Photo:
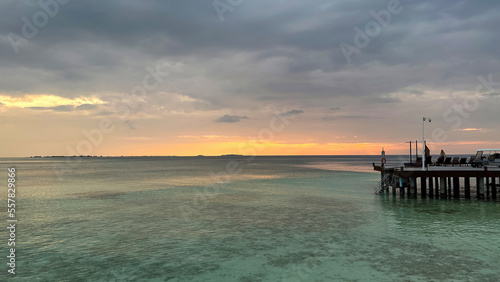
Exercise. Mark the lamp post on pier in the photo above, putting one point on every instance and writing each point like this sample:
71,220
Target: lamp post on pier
423,141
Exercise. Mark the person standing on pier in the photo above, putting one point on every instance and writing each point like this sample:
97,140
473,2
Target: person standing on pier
442,157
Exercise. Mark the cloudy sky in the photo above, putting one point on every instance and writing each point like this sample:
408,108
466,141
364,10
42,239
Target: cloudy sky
270,77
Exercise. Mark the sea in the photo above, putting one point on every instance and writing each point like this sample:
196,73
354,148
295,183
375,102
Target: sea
236,218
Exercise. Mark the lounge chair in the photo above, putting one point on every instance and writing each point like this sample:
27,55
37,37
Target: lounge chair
447,161
439,161
471,160
463,161
456,161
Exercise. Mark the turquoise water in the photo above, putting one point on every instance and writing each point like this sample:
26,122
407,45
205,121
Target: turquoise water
238,219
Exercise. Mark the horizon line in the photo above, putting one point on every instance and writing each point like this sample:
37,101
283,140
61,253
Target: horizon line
200,156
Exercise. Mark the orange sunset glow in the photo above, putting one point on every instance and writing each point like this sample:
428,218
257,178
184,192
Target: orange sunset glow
300,87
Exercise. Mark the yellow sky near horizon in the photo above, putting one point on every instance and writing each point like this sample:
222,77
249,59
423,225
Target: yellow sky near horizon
264,148
33,127
45,100
295,149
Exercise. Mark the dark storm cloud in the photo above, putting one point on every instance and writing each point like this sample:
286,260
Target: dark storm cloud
278,49
349,117
61,108
230,118
87,107
292,113
378,99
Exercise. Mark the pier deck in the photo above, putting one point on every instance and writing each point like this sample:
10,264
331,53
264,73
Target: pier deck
441,181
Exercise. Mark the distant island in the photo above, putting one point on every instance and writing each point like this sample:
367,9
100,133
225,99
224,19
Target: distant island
81,156
89,156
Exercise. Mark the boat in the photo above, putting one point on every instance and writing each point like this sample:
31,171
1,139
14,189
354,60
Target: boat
486,157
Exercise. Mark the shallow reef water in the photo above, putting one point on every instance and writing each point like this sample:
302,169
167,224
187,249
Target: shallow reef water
274,219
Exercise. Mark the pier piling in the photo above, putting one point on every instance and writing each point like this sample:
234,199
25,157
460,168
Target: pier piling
412,193
442,188
467,187
423,187
442,182
493,188
448,193
480,187
436,179
431,187
456,188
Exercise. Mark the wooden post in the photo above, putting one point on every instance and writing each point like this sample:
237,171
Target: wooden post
437,187
480,187
431,187
395,184
456,188
402,188
449,188
487,184
467,187
413,188
423,187
477,187
408,186
493,188
442,187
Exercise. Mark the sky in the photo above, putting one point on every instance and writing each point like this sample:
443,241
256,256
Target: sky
264,77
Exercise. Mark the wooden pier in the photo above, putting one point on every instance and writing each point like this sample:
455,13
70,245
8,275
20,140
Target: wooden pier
441,182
